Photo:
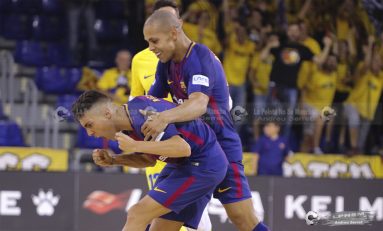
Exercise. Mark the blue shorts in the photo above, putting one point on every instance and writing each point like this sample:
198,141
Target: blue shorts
191,215
186,189
234,187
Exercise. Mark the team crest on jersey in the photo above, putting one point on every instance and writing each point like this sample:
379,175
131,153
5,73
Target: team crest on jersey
290,56
183,86
200,80
282,146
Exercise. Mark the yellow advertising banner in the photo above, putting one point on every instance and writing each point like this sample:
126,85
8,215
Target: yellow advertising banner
250,162
33,159
333,166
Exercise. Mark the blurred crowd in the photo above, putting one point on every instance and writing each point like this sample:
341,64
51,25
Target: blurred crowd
285,61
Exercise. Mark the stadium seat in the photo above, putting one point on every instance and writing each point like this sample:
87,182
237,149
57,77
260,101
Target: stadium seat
53,80
47,28
30,53
111,30
105,57
26,6
110,9
89,142
52,7
2,18
10,134
5,5
2,116
58,54
17,26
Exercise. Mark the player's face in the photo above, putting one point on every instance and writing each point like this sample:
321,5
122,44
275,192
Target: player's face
161,42
98,122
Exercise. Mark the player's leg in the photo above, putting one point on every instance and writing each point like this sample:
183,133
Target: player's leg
161,224
142,213
194,216
235,195
188,190
242,214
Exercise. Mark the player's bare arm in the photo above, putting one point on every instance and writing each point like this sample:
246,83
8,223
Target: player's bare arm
191,109
104,158
173,147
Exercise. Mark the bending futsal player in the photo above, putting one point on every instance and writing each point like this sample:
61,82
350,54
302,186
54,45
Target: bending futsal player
144,67
196,162
194,77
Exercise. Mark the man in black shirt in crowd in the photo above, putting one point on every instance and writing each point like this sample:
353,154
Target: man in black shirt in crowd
288,59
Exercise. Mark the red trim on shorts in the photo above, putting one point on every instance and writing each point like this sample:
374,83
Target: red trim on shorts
105,143
191,136
214,106
237,179
179,191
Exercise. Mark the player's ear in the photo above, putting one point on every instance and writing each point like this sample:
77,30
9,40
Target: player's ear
108,113
173,33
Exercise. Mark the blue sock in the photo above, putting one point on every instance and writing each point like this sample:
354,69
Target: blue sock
261,227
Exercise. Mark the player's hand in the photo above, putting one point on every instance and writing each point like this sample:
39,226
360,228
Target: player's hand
126,143
102,157
153,126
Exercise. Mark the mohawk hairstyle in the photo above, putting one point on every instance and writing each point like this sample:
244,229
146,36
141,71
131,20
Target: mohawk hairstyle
86,101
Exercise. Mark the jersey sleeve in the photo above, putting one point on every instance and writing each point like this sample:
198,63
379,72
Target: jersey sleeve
202,72
159,87
153,103
275,51
306,54
136,86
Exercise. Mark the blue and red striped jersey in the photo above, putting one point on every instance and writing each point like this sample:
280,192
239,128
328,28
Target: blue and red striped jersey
201,71
196,133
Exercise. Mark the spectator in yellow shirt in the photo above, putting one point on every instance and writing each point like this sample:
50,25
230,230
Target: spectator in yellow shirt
238,53
360,106
116,81
259,76
205,5
318,92
199,31
347,57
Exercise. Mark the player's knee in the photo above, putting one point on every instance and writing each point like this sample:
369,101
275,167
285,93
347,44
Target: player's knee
134,214
242,219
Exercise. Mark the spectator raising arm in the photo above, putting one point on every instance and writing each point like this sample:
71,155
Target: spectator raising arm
319,59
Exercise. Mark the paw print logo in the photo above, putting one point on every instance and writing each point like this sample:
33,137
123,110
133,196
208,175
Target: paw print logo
45,202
